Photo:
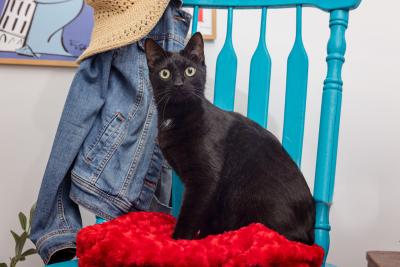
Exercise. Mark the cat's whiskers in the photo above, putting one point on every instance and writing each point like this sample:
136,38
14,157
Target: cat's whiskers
162,93
163,97
196,95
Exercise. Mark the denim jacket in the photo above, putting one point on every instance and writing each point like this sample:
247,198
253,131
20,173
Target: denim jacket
105,157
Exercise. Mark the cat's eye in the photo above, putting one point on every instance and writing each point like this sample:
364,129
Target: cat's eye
165,74
190,71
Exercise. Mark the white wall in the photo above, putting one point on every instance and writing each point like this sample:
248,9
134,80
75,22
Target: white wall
365,214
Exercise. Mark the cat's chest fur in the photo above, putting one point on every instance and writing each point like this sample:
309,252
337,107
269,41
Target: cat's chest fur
195,137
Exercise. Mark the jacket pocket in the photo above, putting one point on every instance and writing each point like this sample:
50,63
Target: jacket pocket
105,140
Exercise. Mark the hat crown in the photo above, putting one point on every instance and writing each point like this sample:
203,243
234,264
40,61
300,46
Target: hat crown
112,6
121,22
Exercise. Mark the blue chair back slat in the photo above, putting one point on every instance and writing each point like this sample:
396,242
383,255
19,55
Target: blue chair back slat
329,126
322,4
260,77
296,94
195,20
177,185
225,72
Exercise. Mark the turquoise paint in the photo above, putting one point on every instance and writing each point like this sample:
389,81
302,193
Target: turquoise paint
100,220
260,77
327,5
195,19
329,126
177,193
296,95
225,72
72,263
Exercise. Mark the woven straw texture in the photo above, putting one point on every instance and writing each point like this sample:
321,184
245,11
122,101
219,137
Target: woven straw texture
121,22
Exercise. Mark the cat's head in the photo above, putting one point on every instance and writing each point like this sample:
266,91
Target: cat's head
177,76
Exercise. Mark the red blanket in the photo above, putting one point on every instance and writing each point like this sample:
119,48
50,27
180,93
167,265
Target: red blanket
144,239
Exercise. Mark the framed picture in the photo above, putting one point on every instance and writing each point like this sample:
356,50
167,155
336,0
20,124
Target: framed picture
207,23
55,33
47,33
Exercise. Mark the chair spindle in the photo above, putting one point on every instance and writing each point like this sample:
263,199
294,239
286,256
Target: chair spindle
329,126
296,94
260,77
225,73
195,19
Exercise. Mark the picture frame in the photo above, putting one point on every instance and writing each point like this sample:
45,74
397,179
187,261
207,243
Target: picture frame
43,33
207,23
55,34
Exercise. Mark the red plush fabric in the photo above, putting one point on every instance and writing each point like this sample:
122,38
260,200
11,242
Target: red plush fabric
144,239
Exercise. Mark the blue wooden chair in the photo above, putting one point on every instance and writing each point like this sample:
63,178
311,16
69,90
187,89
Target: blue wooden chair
296,92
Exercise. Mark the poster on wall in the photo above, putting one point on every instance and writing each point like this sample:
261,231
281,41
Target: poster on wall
51,32
55,33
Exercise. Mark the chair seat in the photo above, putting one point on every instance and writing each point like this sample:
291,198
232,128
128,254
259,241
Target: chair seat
71,263
74,263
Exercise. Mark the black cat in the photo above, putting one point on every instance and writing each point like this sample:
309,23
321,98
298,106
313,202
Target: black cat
234,171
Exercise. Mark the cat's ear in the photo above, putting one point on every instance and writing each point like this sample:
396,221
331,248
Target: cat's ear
195,48
154,52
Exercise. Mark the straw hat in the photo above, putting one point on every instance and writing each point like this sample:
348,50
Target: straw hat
120,22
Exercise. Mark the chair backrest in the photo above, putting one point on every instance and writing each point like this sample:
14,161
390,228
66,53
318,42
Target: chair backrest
296,91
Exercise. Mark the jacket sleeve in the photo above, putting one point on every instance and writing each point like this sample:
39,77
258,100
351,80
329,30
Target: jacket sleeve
57,219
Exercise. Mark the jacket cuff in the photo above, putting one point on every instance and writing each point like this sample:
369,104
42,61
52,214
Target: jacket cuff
55,241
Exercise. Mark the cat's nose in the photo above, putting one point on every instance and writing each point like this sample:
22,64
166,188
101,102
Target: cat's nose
178,83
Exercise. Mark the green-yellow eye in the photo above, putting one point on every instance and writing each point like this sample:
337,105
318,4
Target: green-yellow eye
165,74
190,71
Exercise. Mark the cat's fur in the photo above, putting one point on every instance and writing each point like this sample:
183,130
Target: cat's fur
234,171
